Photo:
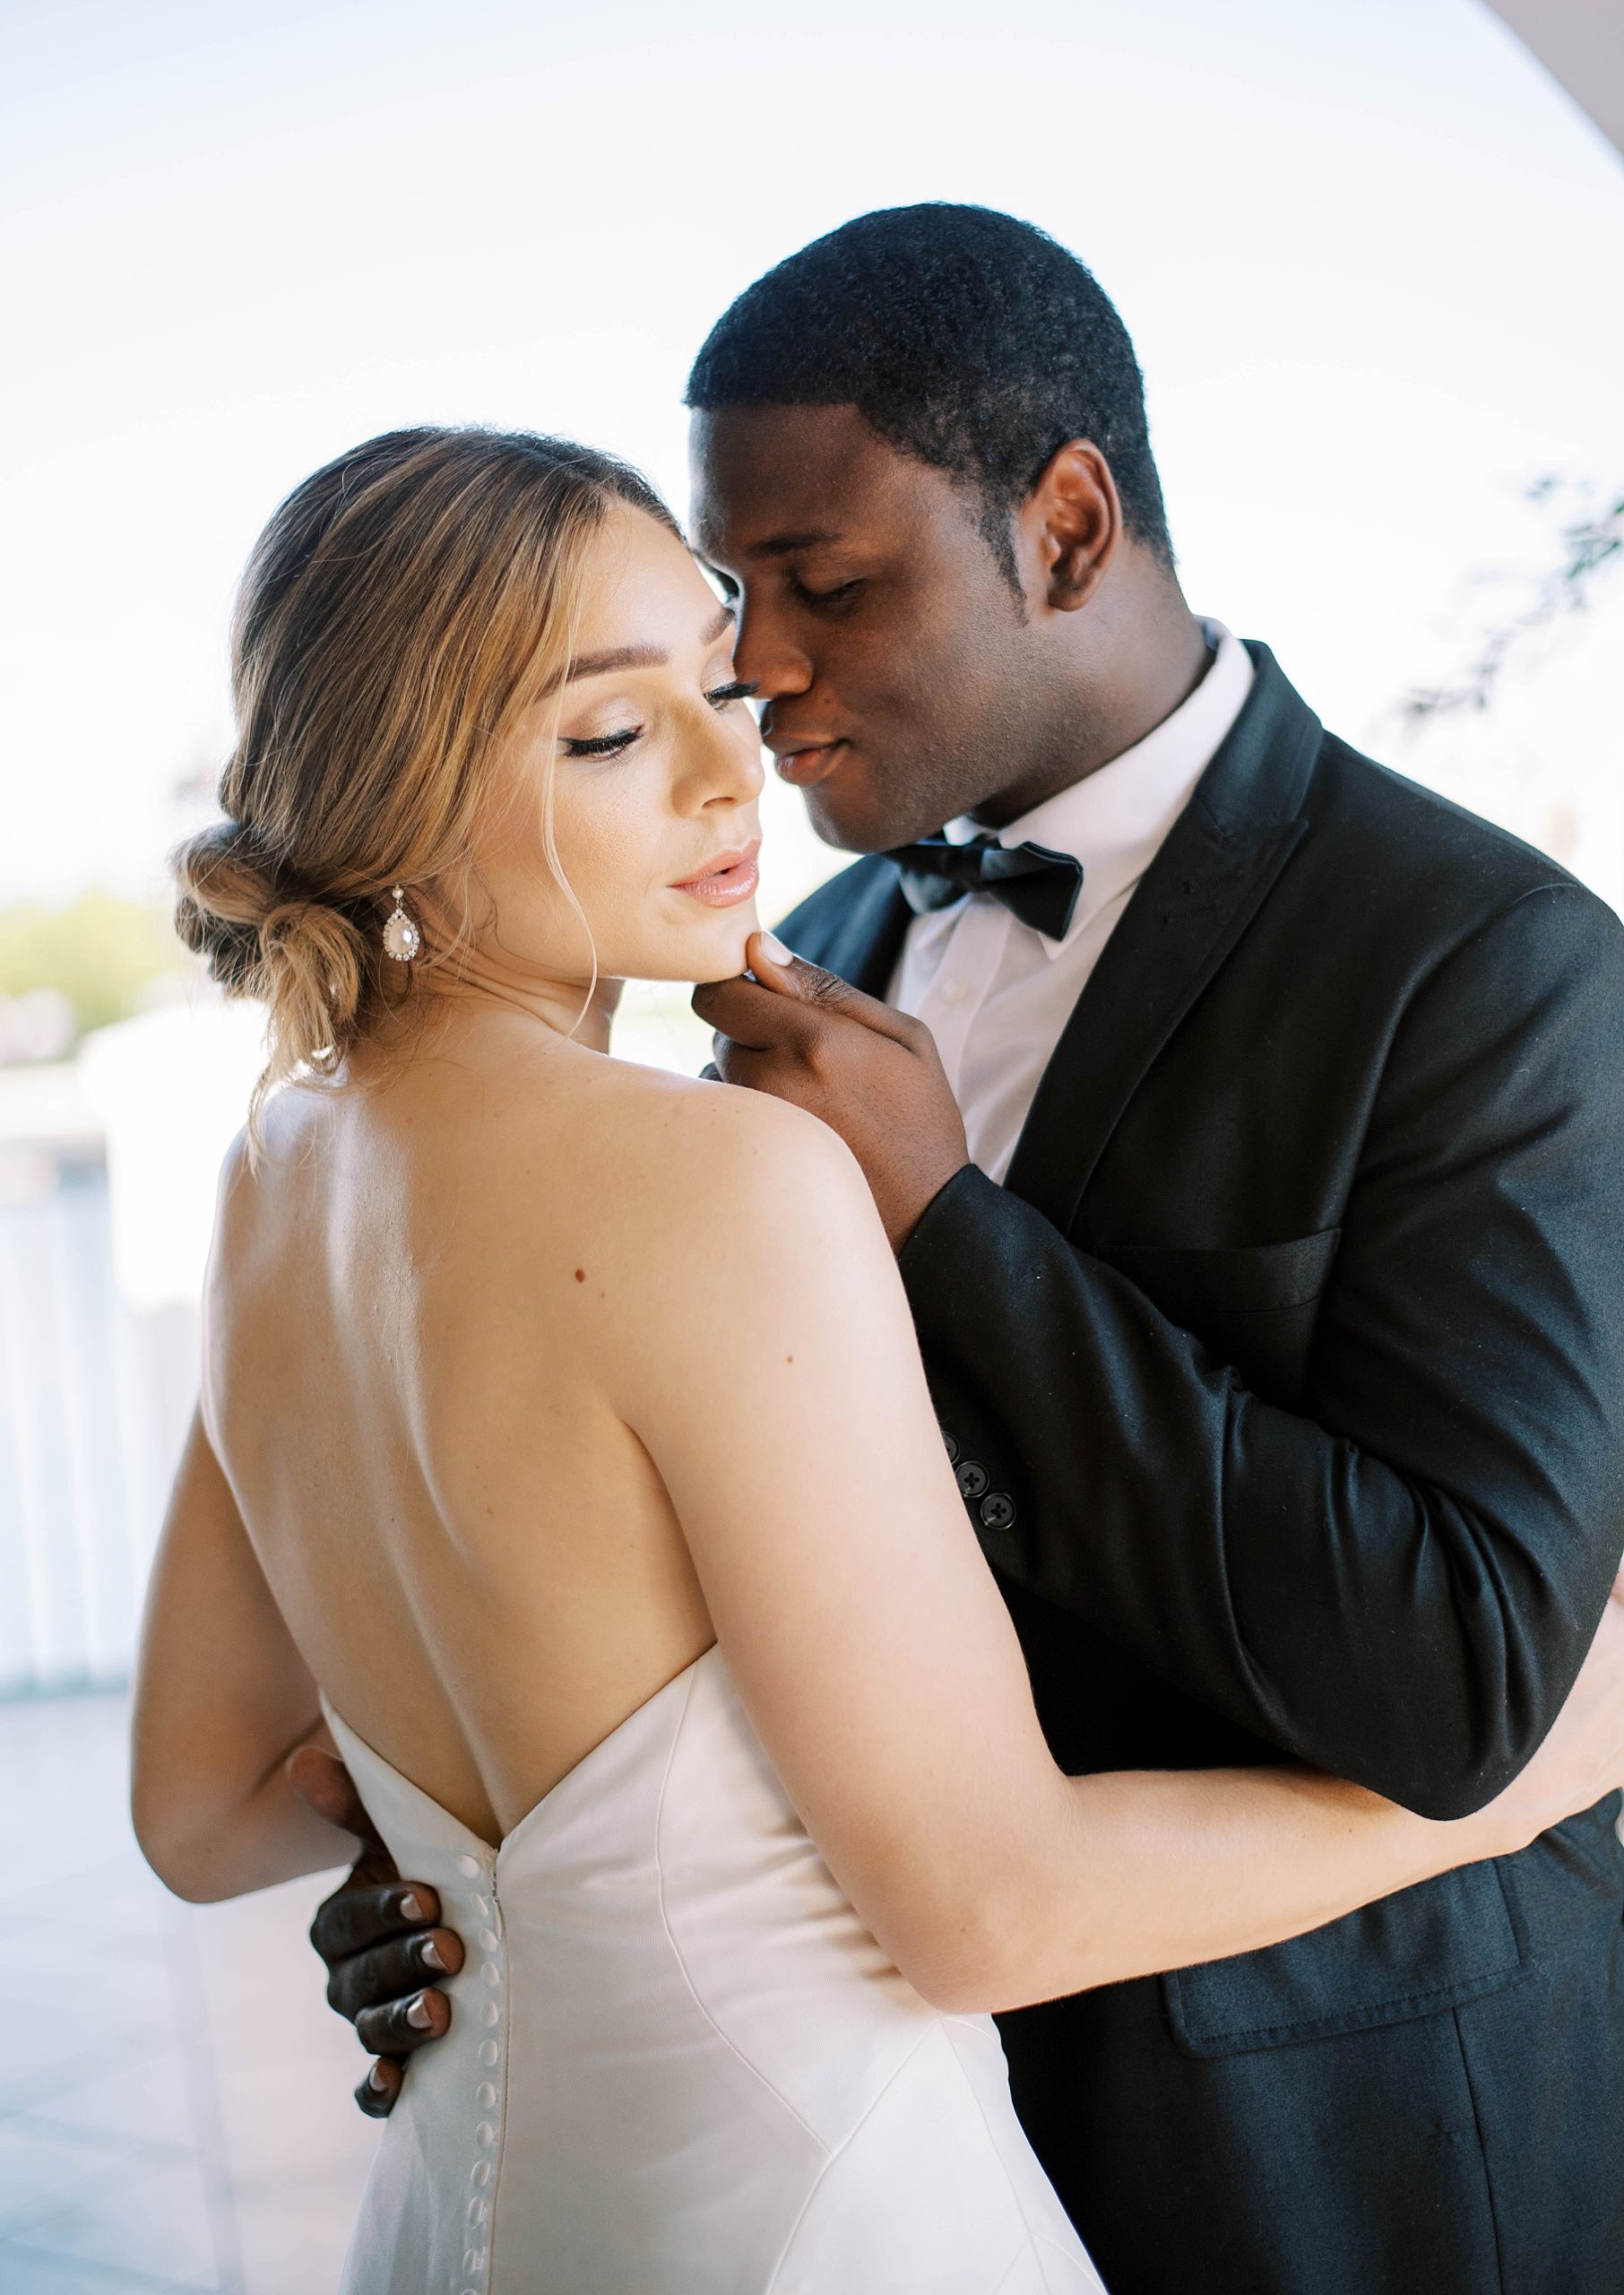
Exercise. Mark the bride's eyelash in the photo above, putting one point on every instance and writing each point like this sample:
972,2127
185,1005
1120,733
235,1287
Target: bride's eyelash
612,744
602,744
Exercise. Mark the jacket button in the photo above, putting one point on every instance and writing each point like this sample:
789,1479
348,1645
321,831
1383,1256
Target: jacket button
972,1478
953,1448
997,1511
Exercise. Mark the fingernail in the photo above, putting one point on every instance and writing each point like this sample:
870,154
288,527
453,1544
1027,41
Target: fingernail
417,2012
428,1953
375,2080
776,950
412,1907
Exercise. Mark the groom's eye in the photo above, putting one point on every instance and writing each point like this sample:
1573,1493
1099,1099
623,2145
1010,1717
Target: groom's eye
842,593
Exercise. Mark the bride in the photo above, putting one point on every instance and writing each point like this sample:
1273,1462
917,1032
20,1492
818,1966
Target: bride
565,1460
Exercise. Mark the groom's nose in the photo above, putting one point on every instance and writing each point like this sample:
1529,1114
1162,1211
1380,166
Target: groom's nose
767,653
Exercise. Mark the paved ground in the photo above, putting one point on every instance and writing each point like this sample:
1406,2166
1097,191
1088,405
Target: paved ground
174,2095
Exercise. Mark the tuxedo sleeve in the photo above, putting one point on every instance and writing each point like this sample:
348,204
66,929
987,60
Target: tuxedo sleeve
1397,1580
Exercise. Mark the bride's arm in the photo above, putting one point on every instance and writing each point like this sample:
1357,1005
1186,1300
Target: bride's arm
793,1428
223,1698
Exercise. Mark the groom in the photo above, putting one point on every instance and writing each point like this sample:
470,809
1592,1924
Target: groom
1251,1127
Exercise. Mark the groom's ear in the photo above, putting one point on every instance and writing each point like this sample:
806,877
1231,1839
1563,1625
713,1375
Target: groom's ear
1069,526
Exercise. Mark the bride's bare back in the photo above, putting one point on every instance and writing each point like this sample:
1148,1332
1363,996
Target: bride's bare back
409,1388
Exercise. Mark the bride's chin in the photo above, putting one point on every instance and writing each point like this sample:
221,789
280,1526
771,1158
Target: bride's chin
718,954
721,955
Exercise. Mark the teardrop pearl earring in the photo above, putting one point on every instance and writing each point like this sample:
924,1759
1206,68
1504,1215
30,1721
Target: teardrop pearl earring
402,938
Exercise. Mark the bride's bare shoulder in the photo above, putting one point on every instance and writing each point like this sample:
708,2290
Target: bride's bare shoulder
717,1143
665,1168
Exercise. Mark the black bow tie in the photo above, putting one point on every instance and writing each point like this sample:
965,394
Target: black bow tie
1038,886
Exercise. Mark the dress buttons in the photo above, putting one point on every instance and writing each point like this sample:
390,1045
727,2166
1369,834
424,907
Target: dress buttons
998,1511
473,2278
972,1477
469,1867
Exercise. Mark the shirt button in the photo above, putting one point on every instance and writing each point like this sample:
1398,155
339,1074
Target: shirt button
972,1477
469,1867
997,1511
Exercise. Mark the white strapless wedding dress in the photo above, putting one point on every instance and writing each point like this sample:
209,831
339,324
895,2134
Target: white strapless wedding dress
678,2063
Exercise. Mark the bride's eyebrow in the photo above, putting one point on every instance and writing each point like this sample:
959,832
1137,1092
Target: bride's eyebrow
640,657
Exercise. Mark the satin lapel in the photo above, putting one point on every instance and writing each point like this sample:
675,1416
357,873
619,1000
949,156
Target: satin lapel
1196,898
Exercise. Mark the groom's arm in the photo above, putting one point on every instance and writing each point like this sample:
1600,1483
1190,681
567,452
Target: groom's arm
1398,1582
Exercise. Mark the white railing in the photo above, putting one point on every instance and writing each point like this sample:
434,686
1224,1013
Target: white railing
89,1387
106,1189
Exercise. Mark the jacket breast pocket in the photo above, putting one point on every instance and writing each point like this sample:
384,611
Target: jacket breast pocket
1445,1941
1253,1306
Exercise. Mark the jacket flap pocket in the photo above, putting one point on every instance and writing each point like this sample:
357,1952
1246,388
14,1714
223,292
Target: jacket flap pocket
1247,1278
1446,1940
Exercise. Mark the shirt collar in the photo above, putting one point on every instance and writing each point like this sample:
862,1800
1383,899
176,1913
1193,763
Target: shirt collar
1114,819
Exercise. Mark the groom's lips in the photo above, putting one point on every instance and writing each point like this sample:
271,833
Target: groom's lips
806,762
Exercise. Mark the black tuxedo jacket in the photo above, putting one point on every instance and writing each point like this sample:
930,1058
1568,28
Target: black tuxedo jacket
1284,1376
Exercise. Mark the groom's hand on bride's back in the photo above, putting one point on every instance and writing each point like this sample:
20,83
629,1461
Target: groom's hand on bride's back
871,1074
380,1939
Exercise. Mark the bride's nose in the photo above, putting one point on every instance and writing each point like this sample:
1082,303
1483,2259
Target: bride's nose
720,763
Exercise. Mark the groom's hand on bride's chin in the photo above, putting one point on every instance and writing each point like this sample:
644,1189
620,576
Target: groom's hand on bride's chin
379,1937
871,1074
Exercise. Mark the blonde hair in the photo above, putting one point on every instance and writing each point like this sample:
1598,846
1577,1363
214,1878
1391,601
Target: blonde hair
399,613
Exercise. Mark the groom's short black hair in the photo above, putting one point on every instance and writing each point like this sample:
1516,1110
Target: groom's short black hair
961,335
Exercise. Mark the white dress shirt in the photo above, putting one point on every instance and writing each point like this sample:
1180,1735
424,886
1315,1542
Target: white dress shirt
995,993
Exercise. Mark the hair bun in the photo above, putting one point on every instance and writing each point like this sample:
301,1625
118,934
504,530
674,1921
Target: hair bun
229,888
264,933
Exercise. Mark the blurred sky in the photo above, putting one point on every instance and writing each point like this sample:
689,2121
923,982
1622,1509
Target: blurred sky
1370,255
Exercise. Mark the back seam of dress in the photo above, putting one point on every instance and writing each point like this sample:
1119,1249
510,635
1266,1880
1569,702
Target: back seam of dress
508,2026
727,2040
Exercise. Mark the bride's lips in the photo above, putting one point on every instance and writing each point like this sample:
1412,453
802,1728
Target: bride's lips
727,879
813,761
